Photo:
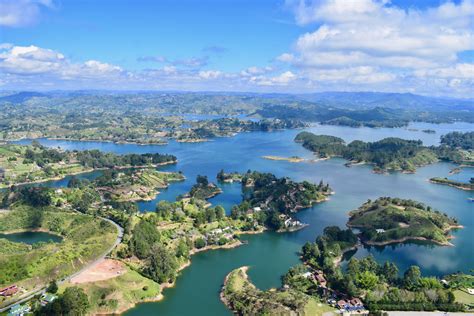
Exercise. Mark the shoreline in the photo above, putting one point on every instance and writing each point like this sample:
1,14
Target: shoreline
62,177
452,185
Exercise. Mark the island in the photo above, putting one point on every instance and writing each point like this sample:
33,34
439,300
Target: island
392,220
134,184
456,184
36,163
272,201
203,189
229,177
289,159
390,154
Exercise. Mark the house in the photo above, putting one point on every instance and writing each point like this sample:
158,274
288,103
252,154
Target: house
341,304
47,298
356,302
470,291
380,230
257,209
320,279
18,310
307,275
9,291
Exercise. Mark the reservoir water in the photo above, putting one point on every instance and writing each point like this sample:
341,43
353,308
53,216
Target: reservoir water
32,237
270,254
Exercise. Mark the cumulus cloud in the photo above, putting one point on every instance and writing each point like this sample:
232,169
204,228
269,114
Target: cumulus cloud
19,13
356,36
33,60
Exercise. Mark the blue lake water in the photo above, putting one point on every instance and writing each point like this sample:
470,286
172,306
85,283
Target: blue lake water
270,255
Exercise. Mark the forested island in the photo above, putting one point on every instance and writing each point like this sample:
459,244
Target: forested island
36,163
391,153
393,220
272,201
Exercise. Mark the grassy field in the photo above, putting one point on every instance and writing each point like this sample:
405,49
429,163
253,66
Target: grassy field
119,293
84,239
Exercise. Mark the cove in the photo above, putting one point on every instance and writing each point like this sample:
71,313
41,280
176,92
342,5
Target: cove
270,254
32,237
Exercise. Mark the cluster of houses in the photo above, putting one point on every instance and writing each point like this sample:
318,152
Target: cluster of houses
214,235
345,305
23,309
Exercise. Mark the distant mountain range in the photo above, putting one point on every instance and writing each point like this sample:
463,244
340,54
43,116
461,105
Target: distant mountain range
367,100
341,100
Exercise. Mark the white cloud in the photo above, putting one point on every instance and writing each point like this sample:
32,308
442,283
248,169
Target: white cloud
282,79
18,13
210,74
390,43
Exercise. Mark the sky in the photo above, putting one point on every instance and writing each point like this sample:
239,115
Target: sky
287,46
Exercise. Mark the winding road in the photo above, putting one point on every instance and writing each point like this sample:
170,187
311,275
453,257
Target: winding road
28,296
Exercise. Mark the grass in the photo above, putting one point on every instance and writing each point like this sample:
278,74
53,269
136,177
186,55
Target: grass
464,297
119,293
84,239
316,308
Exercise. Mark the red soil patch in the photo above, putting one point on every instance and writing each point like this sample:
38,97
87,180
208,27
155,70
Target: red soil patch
103,270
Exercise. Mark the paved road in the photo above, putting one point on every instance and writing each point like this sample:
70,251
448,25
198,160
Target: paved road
28,296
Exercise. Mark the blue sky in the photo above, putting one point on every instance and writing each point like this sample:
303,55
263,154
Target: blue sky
423,46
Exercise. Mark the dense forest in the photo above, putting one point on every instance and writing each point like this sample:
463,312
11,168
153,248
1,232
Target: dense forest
390,153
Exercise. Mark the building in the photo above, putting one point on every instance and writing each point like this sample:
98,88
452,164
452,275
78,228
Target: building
307,275
380,230
9,291
19,310
320,279
47,298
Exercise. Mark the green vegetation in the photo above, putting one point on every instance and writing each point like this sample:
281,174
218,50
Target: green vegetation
242,297
386,154
134,184
458,140
460,185
270,200
229,177
120,293
84,239
72,302
203,189
378,285
36,163
388,220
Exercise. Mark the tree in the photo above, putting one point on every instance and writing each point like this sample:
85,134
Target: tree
199,243
390,272
162,266
144,236
202,180
220,212
367,280
74,301
412,277
52,287
182,250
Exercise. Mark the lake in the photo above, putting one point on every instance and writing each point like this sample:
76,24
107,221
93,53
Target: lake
32,237
270,254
